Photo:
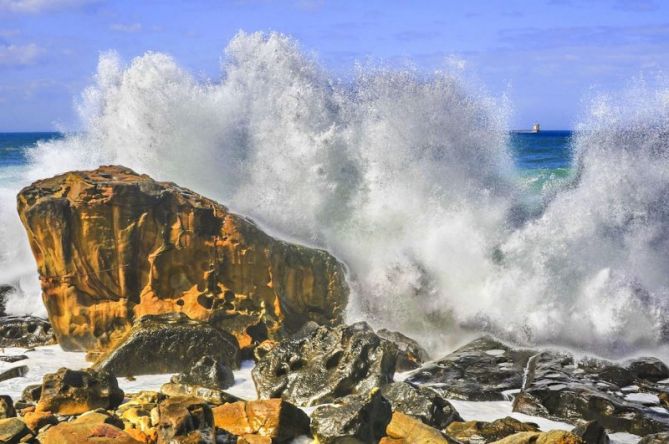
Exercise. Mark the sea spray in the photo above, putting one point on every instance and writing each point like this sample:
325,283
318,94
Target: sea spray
407,179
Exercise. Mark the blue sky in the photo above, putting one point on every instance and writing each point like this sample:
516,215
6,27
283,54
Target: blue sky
546,56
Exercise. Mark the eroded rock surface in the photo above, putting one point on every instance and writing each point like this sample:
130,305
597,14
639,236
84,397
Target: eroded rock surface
420,402
112,245
323,364
25,331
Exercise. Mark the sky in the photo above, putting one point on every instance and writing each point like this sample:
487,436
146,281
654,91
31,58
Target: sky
546,56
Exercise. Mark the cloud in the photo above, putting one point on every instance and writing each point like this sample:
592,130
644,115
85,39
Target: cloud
37,6
19,55
126,27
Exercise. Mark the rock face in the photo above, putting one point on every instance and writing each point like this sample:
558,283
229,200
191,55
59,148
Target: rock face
112,245
324,364
168,343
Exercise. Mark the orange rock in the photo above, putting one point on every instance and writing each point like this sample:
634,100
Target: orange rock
410,429
140,436
387,440
68,433
112,246
273,418
254,439
37,420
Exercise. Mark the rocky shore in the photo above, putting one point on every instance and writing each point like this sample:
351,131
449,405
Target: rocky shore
149,278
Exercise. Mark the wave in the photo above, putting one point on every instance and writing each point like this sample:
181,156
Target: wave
406,178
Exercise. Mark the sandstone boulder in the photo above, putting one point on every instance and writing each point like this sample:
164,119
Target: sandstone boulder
13,431
73,433
324,364
112,245
550,437
477,432
409,430
168,343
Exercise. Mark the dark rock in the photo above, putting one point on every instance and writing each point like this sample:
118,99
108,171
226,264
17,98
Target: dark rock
410,354
4,292
169,343
14,372
651,369
559,388
181,416
25,331
13,358
656,438
420,402
207,372
355,418
325,364
31,393
591,432
6,407
476,432
482,370
13,430
72,392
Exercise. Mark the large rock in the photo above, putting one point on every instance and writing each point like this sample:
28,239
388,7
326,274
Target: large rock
420,402
13,431
324,364
207,372
25,331
407,429
78,433
168,343
411,354
112,245
72,392
181,417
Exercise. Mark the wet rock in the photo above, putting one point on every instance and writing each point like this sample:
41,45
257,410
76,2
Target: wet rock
180,416
410,354
112,245
168,343
656,438
275,419
482,370
78,433
212,396
13,358
407,429
591,390
591,432
38,420
478,432
420,402
207,372
325,364
25,332
14,372
7,409
355,418
13,431
551,437
648,368
72,392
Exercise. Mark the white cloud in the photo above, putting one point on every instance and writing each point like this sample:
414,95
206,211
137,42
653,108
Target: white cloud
19,55
36,6
126,27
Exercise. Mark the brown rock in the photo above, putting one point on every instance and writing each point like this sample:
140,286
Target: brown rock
254,439
7,409
99,417
475,431
112,246
179,416
387,440
551,437
13,430
70,433
72,392
410,429
272,418
36,420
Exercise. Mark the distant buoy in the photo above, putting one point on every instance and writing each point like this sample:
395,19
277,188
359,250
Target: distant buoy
536,128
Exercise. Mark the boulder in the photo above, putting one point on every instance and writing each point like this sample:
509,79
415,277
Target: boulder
359,418
324,364
591,432
72,392
477,432
25,332
275,419
180,417
410,354
208,372
7,409
78,433
168,343
483,370
37,420
551,437
112,246
13,431
420,402
99,416
648,368
407,429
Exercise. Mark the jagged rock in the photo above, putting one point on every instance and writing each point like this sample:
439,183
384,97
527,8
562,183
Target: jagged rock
168,343
355,418
410,354
77,433
409,430
478,432
72,392
212,396
593,390
112,245
180,416
648,368
14,372
591,432
13,358
275,419
420,402
551,437
325,364
207,372
25,332
7,409
656,438
13,431
482,370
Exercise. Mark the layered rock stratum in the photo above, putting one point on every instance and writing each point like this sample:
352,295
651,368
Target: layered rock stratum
112,246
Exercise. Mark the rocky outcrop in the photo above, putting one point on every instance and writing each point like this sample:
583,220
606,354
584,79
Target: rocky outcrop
411,354
324,364
420,402
112,245
168,343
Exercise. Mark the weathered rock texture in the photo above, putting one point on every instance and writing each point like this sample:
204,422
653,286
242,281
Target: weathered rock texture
112,245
